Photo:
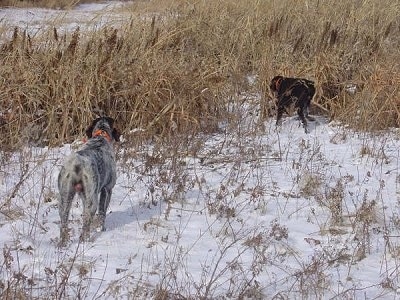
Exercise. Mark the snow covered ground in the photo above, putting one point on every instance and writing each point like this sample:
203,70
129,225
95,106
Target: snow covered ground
246,210
90,16
249,211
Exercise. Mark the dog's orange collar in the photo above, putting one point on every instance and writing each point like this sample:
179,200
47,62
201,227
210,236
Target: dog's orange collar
278,83
102,133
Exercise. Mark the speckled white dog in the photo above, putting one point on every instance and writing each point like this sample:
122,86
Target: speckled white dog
91,174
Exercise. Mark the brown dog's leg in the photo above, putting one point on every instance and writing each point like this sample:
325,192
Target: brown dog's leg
300,112
279,115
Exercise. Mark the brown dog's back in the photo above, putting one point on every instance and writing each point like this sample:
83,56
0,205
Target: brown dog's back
292,91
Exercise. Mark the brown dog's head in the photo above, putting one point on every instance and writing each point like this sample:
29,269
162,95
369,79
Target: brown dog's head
275,84
103,126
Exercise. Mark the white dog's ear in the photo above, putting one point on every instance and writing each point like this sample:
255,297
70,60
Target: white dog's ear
89,130
110,121
116,134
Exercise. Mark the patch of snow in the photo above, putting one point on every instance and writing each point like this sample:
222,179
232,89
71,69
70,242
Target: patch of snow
91,15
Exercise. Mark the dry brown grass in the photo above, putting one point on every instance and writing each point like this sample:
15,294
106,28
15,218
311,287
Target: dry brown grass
173,68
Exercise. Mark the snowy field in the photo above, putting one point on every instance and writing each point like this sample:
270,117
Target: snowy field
89,16
247,212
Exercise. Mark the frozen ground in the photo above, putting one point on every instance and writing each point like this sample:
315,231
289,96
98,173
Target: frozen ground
89,16
247,210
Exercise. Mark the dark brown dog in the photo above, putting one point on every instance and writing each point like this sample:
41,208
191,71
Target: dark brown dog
293,91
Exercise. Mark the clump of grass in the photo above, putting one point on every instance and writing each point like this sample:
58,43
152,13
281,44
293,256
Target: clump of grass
333,199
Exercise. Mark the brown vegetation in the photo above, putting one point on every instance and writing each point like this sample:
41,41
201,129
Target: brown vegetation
173,67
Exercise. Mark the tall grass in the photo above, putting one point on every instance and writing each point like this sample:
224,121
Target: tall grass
173,69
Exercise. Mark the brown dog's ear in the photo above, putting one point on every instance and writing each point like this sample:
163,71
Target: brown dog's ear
275,83
116,134
272,84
